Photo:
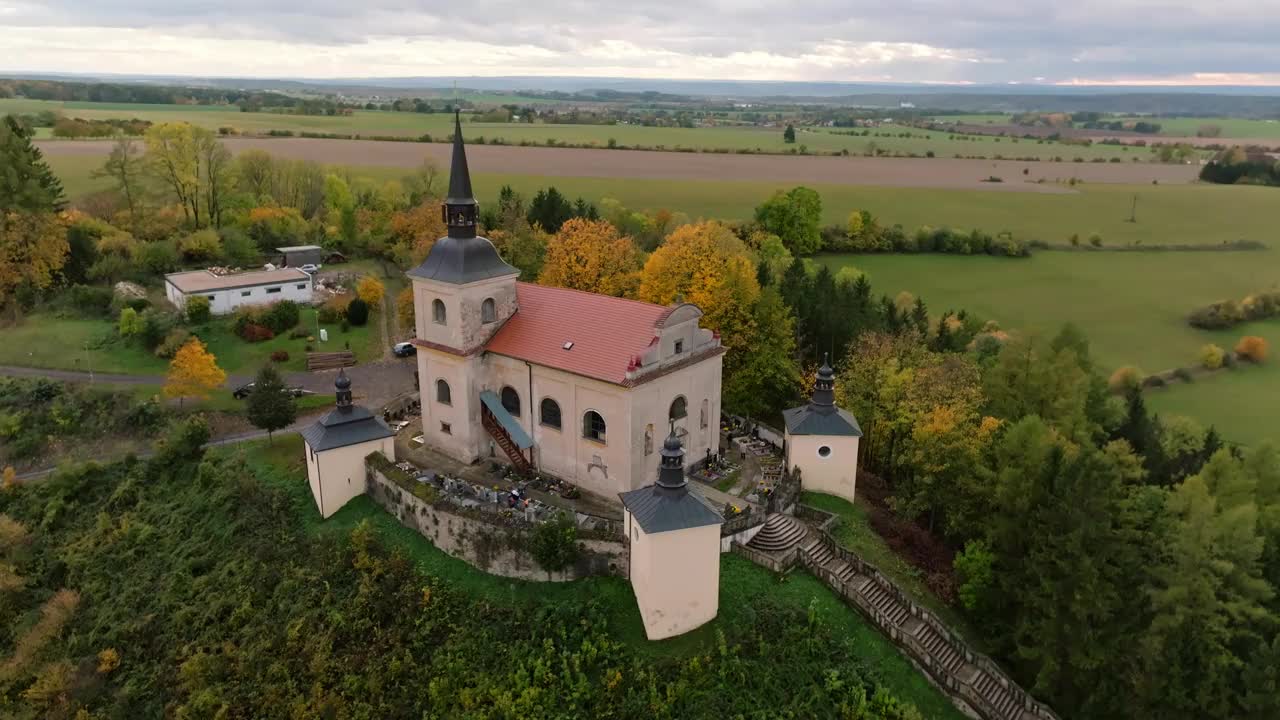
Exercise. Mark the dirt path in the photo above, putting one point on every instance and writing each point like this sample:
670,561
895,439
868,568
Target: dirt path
781,169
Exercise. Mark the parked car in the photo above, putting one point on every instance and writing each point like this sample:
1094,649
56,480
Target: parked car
243,391
309,268
404,349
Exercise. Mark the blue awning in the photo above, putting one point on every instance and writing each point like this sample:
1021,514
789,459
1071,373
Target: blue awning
508,423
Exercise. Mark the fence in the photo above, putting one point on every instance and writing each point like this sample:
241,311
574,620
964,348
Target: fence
968,690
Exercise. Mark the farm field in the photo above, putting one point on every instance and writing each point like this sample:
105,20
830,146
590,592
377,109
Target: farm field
1193,214
1131,306
372,122
1234,128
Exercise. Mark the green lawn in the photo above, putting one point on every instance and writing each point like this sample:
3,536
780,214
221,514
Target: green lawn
1132,307
48,341
740,582
1231,127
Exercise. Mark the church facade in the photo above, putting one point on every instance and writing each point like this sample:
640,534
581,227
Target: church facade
578,385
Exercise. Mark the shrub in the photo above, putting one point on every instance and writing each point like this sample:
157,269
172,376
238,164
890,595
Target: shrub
358,312
201,245
1095,240
172,343
1218,316
1153,381
156,325
555,544
370,290
90,300
253,332
298,333
129,324
1184,375
197,310
1252,348
281,316
156,258
328,314
1211,356
1125,379
280,356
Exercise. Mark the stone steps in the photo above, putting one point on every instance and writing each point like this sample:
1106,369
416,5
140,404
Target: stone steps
941,649
779,534
1004,702
881,600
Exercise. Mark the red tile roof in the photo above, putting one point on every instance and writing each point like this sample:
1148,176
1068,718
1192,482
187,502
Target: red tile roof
606,332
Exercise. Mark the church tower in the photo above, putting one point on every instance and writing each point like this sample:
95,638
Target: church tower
462,293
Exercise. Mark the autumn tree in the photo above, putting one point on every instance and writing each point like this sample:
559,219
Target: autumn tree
33,248
1252,348
795,217
414,232
219,175
766,379
370,289
173,156
27,184
405,310
271,406
193,372
124,166
590,255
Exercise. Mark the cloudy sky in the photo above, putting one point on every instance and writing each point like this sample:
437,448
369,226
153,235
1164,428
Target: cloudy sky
1197,42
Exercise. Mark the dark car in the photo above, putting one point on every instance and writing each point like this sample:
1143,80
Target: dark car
404,349
243,391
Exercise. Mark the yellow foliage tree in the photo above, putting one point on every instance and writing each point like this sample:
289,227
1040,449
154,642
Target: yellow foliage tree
1252,348
708,265
10,479
1125,379
33,247
414,231
193,372
590,255
1211,356
404,308
370,290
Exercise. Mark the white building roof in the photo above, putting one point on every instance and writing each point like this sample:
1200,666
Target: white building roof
197,281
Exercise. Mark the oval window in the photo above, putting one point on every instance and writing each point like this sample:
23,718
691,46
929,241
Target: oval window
824,451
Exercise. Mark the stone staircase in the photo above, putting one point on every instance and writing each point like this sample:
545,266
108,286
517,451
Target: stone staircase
779,534
997,701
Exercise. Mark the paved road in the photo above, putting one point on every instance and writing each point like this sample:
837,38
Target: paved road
375,383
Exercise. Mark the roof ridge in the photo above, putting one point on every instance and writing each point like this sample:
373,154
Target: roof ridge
645,303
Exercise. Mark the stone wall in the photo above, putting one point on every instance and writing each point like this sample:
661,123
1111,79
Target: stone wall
494,545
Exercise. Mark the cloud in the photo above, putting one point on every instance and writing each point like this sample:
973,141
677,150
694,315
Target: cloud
907,40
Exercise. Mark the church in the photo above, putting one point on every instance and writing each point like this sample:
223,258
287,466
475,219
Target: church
554,380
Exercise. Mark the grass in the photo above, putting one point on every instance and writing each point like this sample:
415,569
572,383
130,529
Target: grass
740,583
1193,214
1169,127
854,532
1132,307
49,341
945,145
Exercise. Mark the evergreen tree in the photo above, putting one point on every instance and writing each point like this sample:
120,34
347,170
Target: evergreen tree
26,181
789,135
549,210
920,317
271,406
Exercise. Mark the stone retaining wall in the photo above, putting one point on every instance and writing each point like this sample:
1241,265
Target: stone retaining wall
496,547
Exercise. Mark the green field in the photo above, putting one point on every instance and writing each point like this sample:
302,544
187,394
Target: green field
1132,307
48,341
734,138
740,582
1190,214
1175,127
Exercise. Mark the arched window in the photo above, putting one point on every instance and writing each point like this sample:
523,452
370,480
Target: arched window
437,311
679,409
443,396
648,439
511,400
488,311
703,413
593,426
550,412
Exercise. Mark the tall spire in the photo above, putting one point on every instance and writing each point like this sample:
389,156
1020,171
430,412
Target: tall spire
824,395
671,470
460,208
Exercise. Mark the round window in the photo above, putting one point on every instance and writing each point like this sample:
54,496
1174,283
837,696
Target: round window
824,451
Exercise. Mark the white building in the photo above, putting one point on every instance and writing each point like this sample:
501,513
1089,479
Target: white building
336,446
822,441
570,383
228,292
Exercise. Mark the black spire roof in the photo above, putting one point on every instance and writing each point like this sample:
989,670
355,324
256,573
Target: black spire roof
462,256
346,424
821,416
669,504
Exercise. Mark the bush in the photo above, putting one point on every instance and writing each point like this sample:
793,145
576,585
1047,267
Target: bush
298,333
1211,356
1252,348
1184,375
90,300
358,312
555,544
172,343
156,258
280,356
197,309
1218,316
201,245
1125,379
129,324
156,325
370,289
281,316
1153,381
253,332
1095,240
